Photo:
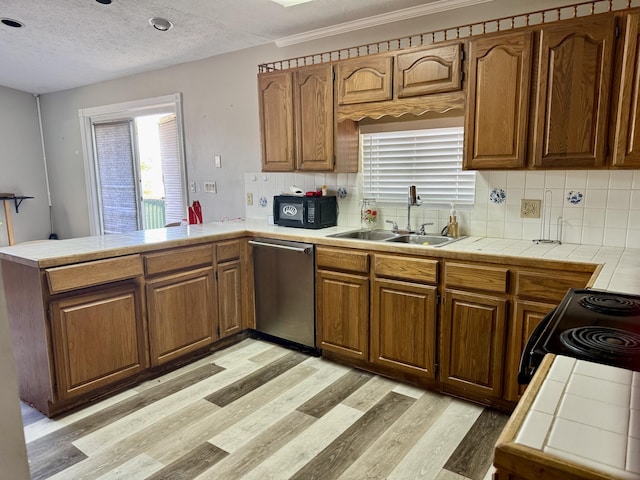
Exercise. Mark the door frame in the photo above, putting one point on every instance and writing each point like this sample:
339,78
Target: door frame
131,109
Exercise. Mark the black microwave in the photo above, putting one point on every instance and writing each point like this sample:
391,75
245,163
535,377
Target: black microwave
305,212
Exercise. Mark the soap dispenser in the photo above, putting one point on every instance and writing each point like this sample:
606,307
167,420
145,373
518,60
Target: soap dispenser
452,231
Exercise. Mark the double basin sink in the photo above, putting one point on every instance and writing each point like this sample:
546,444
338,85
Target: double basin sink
388,236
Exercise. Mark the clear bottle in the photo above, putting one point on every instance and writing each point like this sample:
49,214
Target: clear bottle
368,214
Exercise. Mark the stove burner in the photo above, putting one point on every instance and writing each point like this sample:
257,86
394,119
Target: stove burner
595,343
610,305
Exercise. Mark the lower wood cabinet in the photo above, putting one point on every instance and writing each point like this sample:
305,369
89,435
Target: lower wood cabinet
403,326
181,310
229,298
342,309
98,339
473,338
526,317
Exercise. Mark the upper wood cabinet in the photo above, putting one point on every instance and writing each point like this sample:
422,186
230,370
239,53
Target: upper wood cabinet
363,80
625,130
572,94
428,70
276,121
297,125
313,113
497,113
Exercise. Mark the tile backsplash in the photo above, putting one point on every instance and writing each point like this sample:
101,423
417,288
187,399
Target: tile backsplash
597,207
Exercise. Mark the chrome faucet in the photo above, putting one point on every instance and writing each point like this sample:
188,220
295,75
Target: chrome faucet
421,230
412,201
394,227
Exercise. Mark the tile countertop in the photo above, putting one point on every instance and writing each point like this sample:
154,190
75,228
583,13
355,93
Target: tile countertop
586,414
620,271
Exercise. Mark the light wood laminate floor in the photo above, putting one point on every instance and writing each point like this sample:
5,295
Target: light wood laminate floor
260,411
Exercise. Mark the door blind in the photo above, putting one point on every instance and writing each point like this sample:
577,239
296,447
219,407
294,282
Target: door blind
116,176
430,159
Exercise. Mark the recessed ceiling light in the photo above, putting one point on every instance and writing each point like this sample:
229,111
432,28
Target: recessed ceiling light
161,24
290,3
9,22
104,2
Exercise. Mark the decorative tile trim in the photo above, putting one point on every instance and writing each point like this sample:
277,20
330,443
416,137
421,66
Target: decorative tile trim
497,195
574,197
342,192
263,202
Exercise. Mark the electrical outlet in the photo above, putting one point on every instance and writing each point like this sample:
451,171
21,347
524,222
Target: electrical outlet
193,187
530,208
210,187
249,199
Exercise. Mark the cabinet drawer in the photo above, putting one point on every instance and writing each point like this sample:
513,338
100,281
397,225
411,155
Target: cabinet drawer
477,277
551,286
178,259
88,274
349,260
229,250
403,268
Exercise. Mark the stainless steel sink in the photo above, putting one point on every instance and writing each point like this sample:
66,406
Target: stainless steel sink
374,235
388,236
426,240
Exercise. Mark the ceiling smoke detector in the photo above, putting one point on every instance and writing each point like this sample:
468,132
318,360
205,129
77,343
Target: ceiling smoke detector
10,22
161,24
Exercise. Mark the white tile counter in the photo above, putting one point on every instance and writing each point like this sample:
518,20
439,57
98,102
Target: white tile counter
587,414
620,271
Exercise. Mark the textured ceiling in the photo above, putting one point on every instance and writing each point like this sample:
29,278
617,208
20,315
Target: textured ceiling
70,43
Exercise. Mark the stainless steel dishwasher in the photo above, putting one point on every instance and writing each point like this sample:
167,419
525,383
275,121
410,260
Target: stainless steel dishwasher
285,290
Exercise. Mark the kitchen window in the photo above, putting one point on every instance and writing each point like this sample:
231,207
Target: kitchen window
429,157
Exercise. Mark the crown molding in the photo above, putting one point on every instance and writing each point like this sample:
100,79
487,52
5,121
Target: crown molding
377,20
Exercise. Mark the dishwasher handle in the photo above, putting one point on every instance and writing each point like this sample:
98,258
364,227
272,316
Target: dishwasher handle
306,249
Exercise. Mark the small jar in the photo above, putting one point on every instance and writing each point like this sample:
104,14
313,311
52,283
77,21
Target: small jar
368,214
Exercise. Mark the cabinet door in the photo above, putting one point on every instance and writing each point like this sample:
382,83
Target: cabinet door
526,317
230,297
473,343
365,80
181,311
626,100
403,326
276,121
429,70
573,93
313,109
98,340
497,113
343,313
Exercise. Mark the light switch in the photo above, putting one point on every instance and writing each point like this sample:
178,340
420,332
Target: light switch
218,160
210,187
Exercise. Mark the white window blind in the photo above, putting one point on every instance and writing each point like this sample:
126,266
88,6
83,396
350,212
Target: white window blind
430,159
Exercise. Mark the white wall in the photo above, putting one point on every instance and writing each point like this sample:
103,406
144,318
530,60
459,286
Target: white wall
220,114
21,166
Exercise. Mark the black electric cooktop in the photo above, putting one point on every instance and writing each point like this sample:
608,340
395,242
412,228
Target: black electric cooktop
593,325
